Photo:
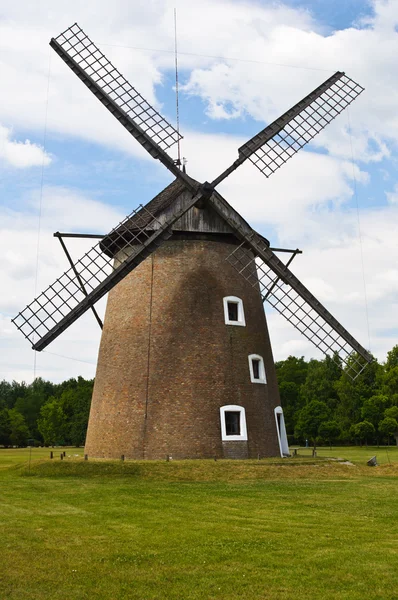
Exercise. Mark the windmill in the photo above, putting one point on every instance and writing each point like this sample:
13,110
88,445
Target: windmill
185,366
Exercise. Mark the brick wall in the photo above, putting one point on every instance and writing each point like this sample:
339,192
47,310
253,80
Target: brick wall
235,450
167,361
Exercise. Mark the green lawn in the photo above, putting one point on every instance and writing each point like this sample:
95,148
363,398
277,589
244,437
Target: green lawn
357,454
271,529
16,456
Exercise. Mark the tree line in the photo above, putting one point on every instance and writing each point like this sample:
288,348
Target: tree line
320,402
45,412
323,405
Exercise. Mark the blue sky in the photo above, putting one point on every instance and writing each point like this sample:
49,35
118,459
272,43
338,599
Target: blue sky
251,62
338,14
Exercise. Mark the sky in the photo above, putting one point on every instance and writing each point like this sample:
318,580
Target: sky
67,165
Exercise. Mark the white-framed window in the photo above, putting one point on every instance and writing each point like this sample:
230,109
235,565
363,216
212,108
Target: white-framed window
281,430
233,423
233,311
257,370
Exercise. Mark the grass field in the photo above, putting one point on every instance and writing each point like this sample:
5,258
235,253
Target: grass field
297,528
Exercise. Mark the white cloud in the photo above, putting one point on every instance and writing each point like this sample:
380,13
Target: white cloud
21,154
392,197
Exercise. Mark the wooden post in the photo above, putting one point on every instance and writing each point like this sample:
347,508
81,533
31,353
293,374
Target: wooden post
51,454
86,457
122,458
62,456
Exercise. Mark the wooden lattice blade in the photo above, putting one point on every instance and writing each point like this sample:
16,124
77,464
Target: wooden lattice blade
113,90
282,139
107,263
284,291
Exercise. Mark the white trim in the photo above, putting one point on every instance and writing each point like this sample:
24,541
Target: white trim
243,428
263,377
241,313
281,431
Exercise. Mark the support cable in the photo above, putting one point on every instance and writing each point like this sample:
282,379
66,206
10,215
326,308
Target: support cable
86,362
41,194
212,56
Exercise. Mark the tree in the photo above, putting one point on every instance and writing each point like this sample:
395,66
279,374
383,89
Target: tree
320,381
352,394
30,403
290,400
363,431
373,409
390,381
74,396
291,374
392,359
329,431
392,412
9,392
310,418
76,403
388,427
19,431
5,429
292,369
52,422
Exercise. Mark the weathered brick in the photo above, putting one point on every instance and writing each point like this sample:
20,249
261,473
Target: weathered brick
167,361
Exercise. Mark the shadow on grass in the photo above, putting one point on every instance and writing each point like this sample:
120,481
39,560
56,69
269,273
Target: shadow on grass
193,470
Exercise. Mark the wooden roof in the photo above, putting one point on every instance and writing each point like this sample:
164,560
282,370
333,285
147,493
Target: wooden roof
203,220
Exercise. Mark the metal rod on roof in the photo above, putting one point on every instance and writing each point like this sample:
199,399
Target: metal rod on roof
297,251
277,278
177,107
96,236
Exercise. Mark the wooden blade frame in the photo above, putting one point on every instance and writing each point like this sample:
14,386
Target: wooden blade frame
282,139
311,322
256,262
64,301
113,90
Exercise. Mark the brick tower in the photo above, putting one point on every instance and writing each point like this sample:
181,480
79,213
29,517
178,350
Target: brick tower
185,365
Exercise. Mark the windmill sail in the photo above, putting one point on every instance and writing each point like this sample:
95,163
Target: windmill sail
141,233
99,270
282,139
254,260
129,107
